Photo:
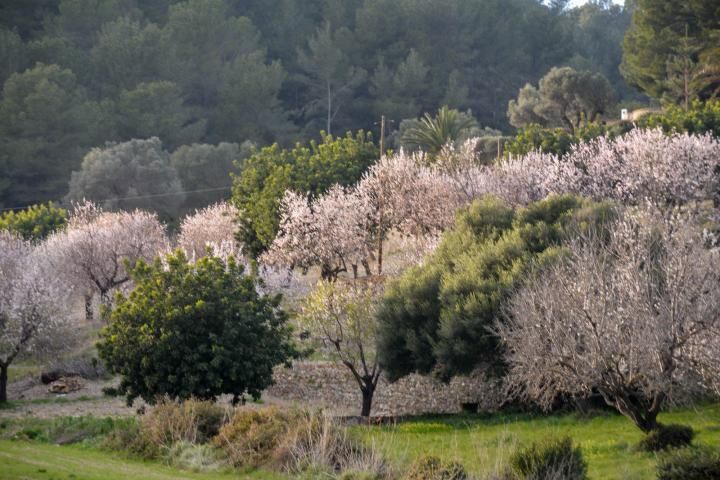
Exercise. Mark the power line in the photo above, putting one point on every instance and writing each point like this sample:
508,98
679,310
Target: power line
137,197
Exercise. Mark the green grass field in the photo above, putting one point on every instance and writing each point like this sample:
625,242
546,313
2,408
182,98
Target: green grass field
608,441
31,460
480,443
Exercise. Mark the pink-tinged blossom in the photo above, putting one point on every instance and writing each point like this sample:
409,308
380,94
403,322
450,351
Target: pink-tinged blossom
92,251
327,231
34,314
404,195
643,166
211,228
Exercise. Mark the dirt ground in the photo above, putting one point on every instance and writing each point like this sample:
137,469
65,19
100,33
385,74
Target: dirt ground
32,399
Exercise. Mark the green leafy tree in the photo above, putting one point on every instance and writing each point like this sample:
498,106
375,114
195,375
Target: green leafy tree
431,133
53,50
439,317
700,118
46,123
156,109
35,222
400,93
565,98
79,21
598,29
201,40
667,38
129,175
194,330
309,169
26,17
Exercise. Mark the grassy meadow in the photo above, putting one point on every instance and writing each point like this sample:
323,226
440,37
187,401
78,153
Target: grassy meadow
20,460
481,443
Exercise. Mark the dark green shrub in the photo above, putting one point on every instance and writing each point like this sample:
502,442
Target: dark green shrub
433,468
438,317
699,118
699,463
667,436
197,330
549,460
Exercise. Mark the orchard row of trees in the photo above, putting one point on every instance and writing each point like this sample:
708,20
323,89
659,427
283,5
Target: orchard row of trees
634,316
451,311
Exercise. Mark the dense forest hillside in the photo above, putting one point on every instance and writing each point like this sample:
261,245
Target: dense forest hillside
79,73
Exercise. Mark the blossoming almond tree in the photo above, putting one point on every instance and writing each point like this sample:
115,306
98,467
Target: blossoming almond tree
212,227
345,229
642,166
633,314
91,252
404,194
33,305
327,232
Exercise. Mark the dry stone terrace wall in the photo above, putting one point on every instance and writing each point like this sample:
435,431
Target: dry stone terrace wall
332,386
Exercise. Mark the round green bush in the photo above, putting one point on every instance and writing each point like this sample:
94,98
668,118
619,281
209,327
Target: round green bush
433,468
667,436
700,463
557,458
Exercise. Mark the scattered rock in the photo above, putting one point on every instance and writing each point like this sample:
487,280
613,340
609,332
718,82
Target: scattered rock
51,376
66,385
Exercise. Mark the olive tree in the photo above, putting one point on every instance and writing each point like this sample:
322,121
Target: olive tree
632,312
564,98
129,175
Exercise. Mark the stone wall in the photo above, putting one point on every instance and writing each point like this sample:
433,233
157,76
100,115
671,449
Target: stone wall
332,386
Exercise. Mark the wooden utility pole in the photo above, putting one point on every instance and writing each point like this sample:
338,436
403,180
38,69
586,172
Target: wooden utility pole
382,136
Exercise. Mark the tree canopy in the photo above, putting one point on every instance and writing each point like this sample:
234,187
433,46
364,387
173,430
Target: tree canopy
439,317
310,169
194,330
77,74
672,49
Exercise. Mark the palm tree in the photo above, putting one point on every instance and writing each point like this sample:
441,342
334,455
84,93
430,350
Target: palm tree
431,134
